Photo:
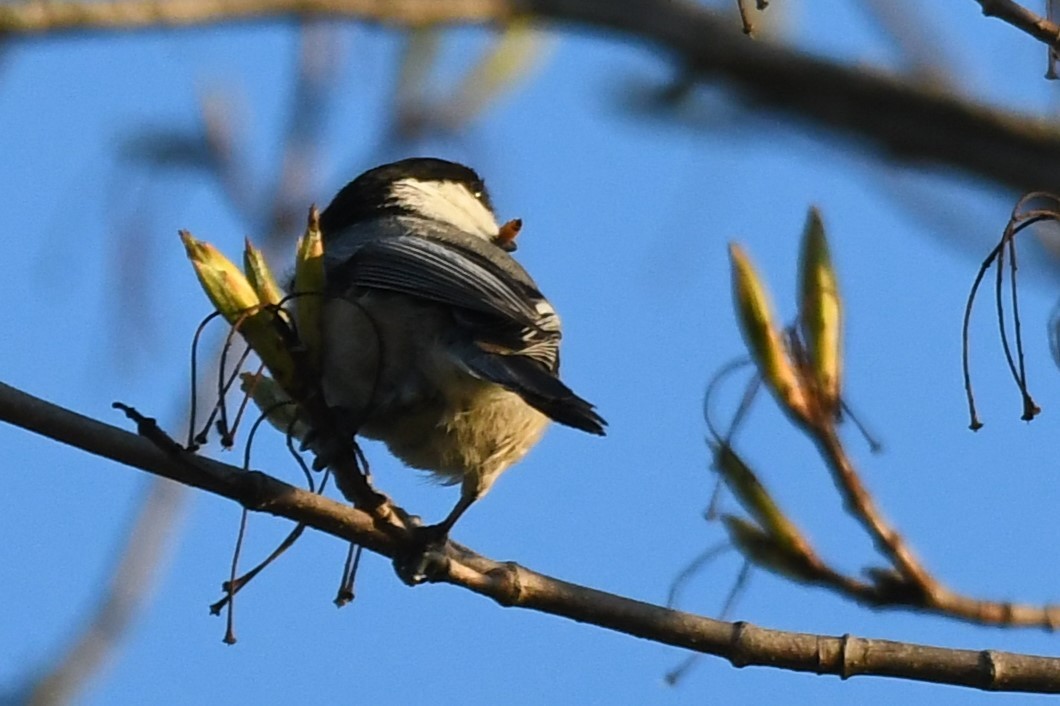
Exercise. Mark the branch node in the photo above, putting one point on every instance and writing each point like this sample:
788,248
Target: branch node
741,651
845,672
253,485
509,584
990,668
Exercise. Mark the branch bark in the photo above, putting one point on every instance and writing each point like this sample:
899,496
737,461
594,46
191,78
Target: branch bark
1021,18
509,584
904,118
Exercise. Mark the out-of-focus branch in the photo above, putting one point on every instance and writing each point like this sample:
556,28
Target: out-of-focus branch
903,118
914,38
123,15
133,578
1023,19
314,84
512,585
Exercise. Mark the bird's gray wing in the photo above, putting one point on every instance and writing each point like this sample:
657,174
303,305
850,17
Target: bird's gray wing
440,272
512,331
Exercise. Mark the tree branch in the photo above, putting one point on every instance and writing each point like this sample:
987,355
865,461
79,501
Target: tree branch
124,15
903,118
920,588
741,643
1024,20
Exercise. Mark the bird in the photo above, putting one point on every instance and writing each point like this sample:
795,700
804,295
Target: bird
435,341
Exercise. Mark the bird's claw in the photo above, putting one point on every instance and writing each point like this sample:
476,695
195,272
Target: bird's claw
426,558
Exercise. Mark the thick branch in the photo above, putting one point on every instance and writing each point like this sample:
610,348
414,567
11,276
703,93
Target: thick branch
511,585
901,117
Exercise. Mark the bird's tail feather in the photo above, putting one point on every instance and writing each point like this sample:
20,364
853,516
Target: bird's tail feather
538,387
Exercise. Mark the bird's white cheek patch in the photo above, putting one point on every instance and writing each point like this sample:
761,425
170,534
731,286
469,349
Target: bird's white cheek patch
449,202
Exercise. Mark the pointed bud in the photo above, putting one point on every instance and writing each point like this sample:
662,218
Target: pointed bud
227,287
754,497
309,285
761,549
260,276
821,312
233,296
763,338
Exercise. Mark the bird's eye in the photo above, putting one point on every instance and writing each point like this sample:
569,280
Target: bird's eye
477,194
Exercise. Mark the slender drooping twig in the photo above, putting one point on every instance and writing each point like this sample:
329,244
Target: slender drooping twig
1019,220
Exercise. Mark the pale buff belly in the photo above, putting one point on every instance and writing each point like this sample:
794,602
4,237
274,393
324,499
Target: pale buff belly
408,393
469,437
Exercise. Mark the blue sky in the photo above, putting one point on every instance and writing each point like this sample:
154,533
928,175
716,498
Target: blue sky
626,221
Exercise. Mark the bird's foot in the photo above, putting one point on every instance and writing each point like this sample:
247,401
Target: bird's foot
426,557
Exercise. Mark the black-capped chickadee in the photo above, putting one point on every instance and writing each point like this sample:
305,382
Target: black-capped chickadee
435,340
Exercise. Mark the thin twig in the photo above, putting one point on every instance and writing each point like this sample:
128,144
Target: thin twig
875,445
1018,221
739,586
693,568
230,634
1024,20
712,389
234,586
193,404
975,424
247,397
745,18
999,304
346,594
924,589
1030,409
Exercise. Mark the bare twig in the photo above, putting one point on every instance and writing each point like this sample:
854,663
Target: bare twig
860,502
1021,18
745,18
1022,217
509,584
915,585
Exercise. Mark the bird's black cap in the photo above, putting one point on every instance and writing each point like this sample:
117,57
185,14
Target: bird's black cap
368,196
